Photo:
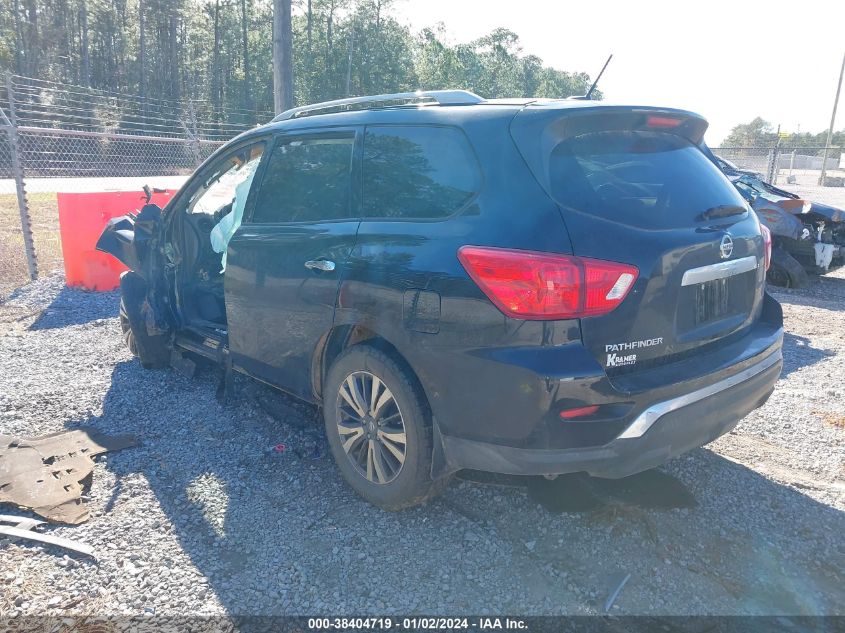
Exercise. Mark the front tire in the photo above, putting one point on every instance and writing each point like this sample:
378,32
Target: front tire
786,271
379,429
126,330
153,350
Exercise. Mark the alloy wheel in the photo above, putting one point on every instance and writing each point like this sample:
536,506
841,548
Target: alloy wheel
371,427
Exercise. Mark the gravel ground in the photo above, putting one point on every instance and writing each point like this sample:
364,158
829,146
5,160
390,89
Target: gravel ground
834,196
204,518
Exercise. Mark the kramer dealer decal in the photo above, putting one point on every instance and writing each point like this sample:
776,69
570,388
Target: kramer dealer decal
615,351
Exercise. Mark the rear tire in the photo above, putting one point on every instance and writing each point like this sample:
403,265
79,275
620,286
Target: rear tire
786,271
153,350
379,429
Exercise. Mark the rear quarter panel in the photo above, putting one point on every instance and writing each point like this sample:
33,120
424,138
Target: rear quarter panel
470,393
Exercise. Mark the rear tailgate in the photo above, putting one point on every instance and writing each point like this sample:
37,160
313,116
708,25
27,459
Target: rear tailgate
634,188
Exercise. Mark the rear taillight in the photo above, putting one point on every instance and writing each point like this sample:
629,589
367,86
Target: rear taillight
767,245
532,285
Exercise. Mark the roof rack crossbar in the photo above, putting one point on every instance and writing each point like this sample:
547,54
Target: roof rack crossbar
440,97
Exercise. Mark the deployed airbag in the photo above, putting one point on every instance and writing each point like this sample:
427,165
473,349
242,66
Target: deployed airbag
226,227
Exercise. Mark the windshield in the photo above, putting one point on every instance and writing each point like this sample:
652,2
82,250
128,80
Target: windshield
750,191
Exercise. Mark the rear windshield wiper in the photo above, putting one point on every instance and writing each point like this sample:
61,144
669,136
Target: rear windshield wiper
722,211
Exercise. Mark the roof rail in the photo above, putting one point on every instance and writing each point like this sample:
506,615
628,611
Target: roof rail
440,97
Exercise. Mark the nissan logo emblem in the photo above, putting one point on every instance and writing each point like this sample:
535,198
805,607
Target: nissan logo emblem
726,246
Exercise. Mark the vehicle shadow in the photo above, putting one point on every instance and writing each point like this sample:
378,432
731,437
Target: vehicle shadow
798,353
818,300
824,292
67,307
276,530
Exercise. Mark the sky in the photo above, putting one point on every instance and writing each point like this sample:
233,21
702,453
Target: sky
729,61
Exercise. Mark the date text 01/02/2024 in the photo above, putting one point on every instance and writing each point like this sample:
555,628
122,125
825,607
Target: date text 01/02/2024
417,623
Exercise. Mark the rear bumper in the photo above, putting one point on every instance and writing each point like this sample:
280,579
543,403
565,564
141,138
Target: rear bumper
668,428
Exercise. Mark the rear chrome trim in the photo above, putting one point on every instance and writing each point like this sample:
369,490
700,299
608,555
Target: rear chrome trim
719,271
647,418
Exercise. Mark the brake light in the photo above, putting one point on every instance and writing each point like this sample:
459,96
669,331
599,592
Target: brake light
536,286
767,245
662,121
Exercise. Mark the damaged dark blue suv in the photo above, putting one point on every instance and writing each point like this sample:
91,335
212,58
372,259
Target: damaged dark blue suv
516,286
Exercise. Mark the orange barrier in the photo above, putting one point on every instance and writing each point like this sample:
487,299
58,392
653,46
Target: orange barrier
82,218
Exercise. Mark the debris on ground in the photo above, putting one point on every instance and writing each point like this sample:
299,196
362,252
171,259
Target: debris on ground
309,448
24,528
608,605
45,474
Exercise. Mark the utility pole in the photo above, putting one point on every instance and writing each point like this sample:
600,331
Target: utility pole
86,57
349,60
247,70
774,157
832,122
282,56
142,59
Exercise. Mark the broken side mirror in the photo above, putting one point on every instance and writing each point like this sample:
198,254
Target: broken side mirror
149,191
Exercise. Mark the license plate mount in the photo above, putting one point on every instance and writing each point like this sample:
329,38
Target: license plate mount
712,300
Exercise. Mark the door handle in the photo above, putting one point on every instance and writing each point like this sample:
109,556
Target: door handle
320,264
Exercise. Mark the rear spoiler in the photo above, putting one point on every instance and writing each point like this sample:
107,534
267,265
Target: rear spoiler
565,119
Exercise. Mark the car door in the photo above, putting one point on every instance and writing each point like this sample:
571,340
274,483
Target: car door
286,260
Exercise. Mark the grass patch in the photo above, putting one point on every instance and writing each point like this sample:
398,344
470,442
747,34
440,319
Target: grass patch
833,419
44,216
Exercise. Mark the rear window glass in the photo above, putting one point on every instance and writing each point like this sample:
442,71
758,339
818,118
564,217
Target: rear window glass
648,179
417,172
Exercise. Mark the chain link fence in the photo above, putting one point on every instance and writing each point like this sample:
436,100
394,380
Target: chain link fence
785,165
60,138
57,138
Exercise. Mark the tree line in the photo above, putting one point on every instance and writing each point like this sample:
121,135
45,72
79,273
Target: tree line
220,51
760,133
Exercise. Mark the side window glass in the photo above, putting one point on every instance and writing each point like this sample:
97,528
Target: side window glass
228,182
307,180
417,172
